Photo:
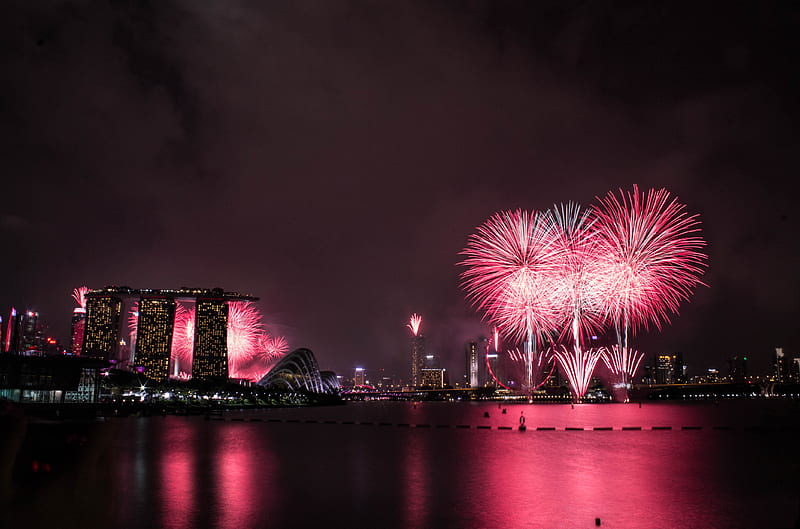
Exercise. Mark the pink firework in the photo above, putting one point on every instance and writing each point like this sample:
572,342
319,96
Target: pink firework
622,362
244,334
510,262
79,295
578,288
649,250
183,337
578,365
414,323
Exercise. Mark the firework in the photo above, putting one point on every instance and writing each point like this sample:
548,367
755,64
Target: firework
244,334
578,365
649,250
414,323
79,295
182,337
510,264
622,362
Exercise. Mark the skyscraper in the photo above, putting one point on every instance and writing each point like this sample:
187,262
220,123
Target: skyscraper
101,338
154,335
11,344
78,329
473,361
29,327
210,358
417,356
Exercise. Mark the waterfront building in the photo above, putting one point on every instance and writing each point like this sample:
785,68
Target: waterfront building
154,335
11,341
359,377
101,338
210,356
433,377
417,353
30,343
78,330
737,368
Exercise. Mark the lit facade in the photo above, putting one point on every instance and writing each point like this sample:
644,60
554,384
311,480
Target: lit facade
101,338
78,330
433,378
154,336
11,339
210,358
417,355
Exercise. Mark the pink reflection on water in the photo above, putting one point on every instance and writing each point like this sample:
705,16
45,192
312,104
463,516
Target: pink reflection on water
241,464
416,483
177,475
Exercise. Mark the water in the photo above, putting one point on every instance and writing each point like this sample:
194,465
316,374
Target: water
186,472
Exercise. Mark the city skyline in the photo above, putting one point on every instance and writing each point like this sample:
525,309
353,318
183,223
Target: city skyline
338,179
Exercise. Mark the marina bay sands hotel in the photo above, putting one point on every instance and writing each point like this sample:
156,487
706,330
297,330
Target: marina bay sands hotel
154,329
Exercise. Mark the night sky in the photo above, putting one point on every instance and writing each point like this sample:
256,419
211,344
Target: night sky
333,157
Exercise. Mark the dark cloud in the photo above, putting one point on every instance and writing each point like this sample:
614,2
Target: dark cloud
332,158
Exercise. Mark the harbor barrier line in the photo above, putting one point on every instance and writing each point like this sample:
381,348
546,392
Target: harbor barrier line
522,428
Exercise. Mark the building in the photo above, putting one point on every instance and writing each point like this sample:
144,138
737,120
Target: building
154,335
101,338
50,379
11,341
359,377
78,330
417,353
30,338
210,356
737,368
669,369
433,378
472,365
780,366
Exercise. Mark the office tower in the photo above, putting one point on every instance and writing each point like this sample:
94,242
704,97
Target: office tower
154,335
663,369
29,327
210,358
471,371
737,368
432,377
678,369
417,354
359,377
780,366
101,338
78,329
11,344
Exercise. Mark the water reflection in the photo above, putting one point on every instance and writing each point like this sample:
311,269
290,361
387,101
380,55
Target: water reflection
187,472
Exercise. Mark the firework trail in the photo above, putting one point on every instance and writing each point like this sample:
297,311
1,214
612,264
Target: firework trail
622,362
414,323
510,265
79,295
578,366
649,249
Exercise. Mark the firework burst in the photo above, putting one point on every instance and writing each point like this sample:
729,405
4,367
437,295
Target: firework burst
649,251
79,295
414,323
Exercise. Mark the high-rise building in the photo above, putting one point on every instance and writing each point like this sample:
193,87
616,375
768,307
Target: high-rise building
472,359
359,377
780,366
210,359
669,369
101,338
417,354
433,377
737,368
154,335
11,343
29,338
78,330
